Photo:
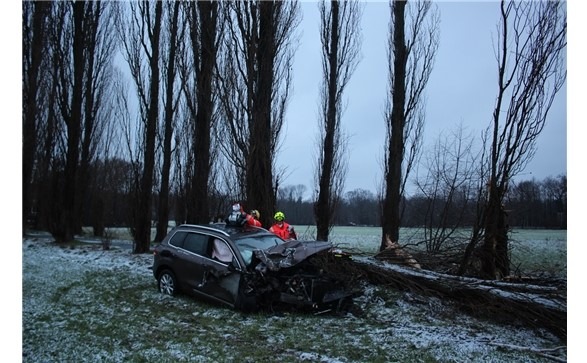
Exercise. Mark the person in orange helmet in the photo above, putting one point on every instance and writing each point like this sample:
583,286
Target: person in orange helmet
253,218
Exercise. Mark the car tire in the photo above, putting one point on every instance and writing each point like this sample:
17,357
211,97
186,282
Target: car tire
167,283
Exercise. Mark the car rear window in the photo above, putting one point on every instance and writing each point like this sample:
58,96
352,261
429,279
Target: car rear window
177,239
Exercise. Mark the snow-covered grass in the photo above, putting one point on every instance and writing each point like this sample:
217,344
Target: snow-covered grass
539,252
85,304
533,252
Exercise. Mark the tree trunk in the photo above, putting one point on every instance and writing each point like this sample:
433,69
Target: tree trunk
144,217
208,11
537,306
495,261
64,226
94,12
32,56
98,216
45,174
323,208
259,177
163,216
391,217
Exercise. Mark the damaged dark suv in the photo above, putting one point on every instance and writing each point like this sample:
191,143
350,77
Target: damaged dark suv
250,268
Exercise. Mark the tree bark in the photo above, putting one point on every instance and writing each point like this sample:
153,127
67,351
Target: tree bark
341,41
390,215
144,217
65,219
163,210
33,52
93,96
199,212
259,174
495,261
323,209
536,306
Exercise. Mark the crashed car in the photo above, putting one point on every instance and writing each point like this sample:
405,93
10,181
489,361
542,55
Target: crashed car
250,268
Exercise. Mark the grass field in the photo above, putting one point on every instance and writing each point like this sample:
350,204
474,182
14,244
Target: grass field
84,304
533,251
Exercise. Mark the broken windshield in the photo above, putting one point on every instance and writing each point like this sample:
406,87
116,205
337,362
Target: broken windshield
247,245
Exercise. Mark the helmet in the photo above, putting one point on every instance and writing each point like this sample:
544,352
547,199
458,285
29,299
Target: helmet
279,216
255,213
236,207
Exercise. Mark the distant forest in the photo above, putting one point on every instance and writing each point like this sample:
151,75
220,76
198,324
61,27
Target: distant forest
530,204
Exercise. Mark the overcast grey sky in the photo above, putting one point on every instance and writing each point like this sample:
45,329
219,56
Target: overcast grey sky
462,89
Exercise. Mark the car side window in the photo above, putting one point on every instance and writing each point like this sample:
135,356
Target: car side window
177,239
196,243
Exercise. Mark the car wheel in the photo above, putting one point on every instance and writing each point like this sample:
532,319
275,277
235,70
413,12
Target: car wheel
167,283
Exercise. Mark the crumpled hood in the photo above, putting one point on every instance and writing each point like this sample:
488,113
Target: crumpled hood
290,253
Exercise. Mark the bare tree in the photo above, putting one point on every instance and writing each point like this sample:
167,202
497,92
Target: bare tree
292,192
254,84
199,73
290,199
49,162
531,57
341,41
174,35
80,50
34,47
363,203
69,71
412,47
448,187
555,193
140,33
111,172
100,40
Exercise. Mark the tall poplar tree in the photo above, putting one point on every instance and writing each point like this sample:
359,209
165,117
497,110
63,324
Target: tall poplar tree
341,41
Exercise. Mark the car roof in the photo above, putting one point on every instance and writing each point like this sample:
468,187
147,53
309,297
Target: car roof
235,232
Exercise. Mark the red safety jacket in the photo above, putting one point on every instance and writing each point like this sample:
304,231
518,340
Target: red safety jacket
285,231
251,221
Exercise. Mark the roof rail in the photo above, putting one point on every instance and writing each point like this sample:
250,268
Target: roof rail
209,228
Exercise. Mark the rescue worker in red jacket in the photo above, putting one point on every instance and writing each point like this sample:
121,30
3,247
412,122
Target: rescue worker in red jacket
253,218
282,228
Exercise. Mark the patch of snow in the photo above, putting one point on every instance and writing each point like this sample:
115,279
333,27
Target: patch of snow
399,324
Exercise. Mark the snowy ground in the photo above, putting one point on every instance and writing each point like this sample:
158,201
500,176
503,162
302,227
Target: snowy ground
85,304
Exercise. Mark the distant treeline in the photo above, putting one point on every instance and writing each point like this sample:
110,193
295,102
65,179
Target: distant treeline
530,204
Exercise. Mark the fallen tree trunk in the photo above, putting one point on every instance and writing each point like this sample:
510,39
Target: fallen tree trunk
536,306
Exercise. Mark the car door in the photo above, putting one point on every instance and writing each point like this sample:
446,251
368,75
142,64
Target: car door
221,276
189,258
